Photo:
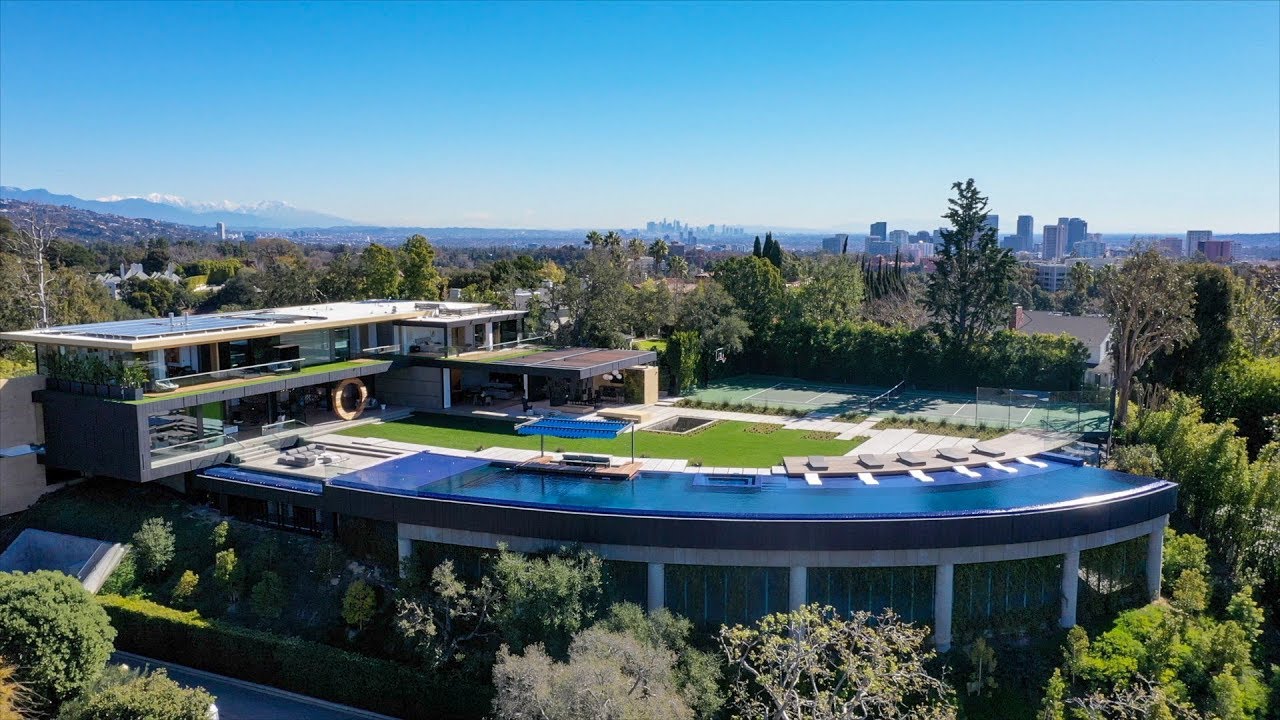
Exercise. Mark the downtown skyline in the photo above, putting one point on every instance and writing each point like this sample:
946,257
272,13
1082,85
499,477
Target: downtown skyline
556,116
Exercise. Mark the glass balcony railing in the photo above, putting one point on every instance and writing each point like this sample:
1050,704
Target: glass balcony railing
239,438
244,372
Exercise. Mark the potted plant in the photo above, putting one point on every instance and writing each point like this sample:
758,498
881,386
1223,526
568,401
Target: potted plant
75,372
133,378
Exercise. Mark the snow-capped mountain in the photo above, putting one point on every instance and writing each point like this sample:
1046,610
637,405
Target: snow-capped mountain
267,214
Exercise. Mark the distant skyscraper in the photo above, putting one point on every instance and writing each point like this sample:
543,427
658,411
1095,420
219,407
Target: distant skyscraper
222,231
899,237
1027,231
1171,246
835,244
880,230
1051,246
1091,248
1194,238
876,246
1218,251
993,222
1077,231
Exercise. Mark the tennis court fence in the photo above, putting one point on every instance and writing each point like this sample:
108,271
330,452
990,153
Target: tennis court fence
1082,411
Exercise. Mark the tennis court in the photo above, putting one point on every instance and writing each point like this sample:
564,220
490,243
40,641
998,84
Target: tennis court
1072,411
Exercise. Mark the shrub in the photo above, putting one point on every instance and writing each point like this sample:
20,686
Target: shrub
358,604
267,596
54,633
125,577
218,536
152,696
153,544
1136,459
292,664
185,587
226,570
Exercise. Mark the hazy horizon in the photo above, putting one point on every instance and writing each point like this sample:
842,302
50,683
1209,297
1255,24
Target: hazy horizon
1143,117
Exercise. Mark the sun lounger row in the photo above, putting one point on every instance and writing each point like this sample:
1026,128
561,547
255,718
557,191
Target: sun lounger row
919,458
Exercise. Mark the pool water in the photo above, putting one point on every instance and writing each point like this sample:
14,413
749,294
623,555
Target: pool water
689,494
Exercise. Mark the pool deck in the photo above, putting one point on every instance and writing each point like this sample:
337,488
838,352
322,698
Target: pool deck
924,456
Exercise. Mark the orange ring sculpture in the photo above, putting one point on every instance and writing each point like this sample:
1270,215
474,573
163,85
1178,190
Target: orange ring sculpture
339,394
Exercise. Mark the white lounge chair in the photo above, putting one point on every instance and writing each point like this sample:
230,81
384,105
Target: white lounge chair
867,479
994,465
919,475
1032,463
966,471
812,479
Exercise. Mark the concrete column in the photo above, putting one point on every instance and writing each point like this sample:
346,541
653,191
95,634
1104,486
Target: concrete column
943,589
657,593
446,390
404,546
798,588
1070,588
1155,558
488,336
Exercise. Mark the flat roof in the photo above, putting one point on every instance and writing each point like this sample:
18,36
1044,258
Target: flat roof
178,331
567,362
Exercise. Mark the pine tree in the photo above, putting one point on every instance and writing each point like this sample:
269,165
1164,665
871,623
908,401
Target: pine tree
756,251
968,292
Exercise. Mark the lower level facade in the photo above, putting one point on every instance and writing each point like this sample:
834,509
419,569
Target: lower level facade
958,572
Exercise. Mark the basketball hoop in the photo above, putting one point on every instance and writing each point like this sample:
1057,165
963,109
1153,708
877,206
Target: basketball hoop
720,355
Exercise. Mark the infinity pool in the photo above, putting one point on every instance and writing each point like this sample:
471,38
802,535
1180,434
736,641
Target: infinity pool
689,494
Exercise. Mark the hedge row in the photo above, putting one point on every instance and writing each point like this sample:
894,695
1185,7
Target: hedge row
868,354
289,663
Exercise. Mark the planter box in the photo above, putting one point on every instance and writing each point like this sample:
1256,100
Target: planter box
77,387
132,394
53,384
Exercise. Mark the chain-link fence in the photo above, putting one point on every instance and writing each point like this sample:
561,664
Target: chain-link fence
1073,411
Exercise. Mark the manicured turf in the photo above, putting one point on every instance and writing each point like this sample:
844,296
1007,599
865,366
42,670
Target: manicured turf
727,444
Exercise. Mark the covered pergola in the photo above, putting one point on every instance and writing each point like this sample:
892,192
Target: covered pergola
573,428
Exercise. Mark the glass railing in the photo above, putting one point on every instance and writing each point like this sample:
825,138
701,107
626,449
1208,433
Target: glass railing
185,382
241,439
182,449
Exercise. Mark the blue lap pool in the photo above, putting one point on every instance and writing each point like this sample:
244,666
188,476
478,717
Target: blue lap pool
1062,483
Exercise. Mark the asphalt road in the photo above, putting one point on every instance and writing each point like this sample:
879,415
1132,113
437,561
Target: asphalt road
239,700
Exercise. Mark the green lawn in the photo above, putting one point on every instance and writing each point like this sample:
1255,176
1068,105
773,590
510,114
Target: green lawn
654,345
727,444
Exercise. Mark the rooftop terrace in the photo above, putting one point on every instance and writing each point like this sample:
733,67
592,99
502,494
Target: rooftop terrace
157,333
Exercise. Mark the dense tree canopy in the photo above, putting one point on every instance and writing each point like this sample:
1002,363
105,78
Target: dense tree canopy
815,664
53,632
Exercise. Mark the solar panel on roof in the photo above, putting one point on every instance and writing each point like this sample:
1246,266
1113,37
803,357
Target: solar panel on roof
158,327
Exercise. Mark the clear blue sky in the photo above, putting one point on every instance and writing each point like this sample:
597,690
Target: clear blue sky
1142,116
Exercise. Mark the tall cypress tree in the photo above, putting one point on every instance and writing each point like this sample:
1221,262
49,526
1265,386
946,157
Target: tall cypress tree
968,293
756,252
773,250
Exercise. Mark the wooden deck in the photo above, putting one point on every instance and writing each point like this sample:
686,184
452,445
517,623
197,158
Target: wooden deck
1010,446
612,472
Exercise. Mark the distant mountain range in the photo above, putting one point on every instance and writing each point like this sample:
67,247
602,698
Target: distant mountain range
266,215
72,223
